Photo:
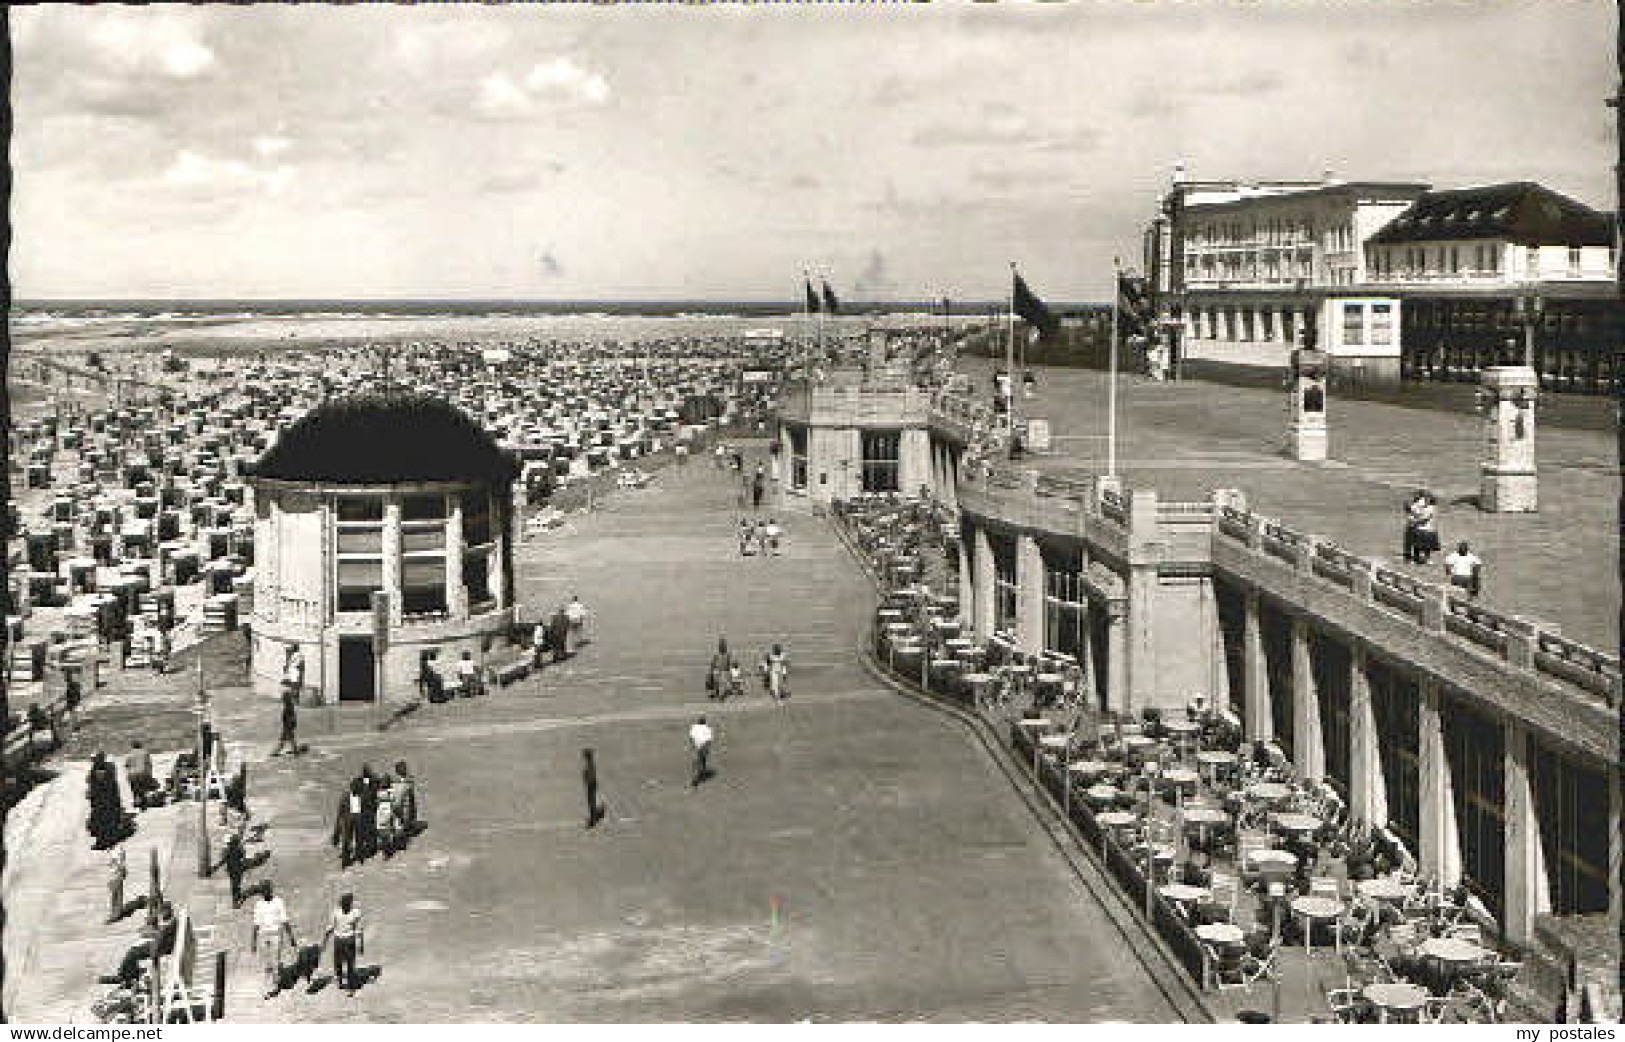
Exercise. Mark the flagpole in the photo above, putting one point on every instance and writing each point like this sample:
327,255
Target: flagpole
1009,360
1111,380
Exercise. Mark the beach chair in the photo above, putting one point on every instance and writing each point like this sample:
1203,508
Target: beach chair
179,996
1325,886
1346,1004
1226,891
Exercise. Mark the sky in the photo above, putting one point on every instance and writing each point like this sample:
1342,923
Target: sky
653,152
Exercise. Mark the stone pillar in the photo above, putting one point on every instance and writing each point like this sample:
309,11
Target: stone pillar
1440,853
982,565
392,561
1145,549
268,552
1260,724
1307,405
1526,892
914,462
967,589
1368,791
1029,594
456,592
1308,742
1117,654
1507,480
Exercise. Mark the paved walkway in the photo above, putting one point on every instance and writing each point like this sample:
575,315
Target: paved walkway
857,856
1187,438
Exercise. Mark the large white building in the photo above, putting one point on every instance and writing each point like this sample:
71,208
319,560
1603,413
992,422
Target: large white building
1240,268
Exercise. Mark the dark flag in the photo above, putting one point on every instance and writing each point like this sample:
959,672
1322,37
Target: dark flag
1133,306
1029,307
831,305
812,299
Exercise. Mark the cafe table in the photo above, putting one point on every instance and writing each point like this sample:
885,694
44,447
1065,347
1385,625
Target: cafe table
1396,997
1118,819
1221,934
1182,893
1384,888
1182,778
1090,769
1212,761
1058,740
1298,824
977,683
1105,795
1315,908
1453,953
1203,819
1269,792
1272,861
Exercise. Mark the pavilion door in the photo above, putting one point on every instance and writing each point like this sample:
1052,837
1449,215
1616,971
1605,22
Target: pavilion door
357,670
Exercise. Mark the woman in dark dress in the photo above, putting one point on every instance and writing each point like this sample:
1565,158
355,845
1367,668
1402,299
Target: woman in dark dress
107,823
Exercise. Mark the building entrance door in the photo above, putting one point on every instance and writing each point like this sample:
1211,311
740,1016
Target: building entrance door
357,670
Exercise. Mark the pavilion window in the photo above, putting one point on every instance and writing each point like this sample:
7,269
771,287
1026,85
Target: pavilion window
358,579
423,584
1382,325
477,576
1572,807
423,508
1353,324
476,517
360,509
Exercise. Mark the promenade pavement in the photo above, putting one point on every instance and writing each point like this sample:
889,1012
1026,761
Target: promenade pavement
857,857
1185,439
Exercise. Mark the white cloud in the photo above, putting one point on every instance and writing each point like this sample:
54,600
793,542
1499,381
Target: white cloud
269,146
194,172
564,76
136,40
186,58
500,97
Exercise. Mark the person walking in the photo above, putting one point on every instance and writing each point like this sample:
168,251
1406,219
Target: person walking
345,928
117,871
776,673
1465,569
468,676
700,737
236,862
289,735
107,823
344,823
406,800
576,614
745,532
772,535
589,782
366,822
385,822
719,678
271,936
73,695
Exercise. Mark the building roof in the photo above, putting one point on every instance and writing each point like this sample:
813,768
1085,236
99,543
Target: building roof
1521,212
1211,196
379,439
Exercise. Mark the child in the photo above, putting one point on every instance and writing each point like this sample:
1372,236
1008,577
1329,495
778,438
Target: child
116,872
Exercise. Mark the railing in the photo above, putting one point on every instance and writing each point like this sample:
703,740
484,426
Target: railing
1440,609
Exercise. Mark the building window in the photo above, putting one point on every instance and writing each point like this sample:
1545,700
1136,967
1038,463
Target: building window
359,542
1532,261
1353,325
1382,325
1065,603
881,451
1571,803
1475,750
1330,663
1394,706
1004,582
1574,260
798,457
1455,260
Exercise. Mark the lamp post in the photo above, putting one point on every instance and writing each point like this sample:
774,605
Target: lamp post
1529,306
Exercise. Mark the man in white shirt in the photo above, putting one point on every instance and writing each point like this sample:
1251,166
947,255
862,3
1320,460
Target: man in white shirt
348,941
699,738
576,612
1465,569
271,929
468,675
